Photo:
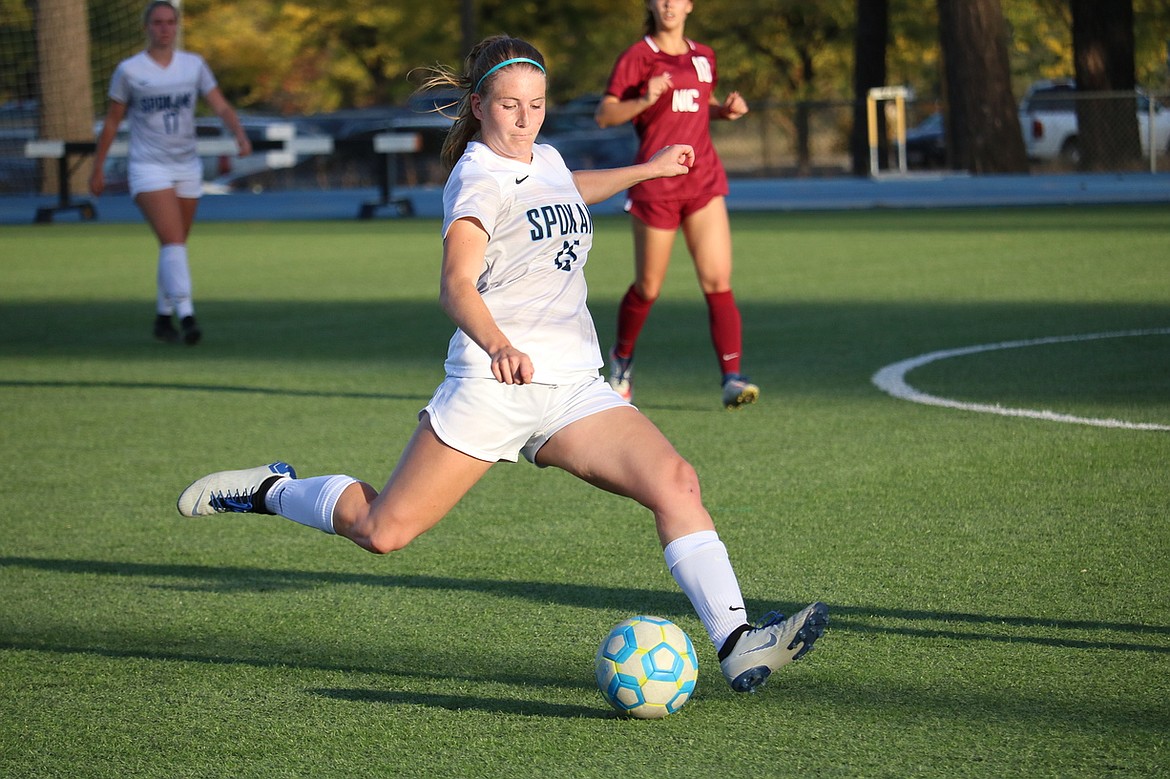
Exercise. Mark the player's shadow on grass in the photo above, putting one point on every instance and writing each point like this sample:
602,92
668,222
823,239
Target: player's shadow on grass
792,348
845,618
528,708
577,681
216,388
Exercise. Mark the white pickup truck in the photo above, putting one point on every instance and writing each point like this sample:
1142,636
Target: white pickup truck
1048,118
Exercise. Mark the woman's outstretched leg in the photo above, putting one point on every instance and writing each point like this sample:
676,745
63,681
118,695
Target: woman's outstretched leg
428,481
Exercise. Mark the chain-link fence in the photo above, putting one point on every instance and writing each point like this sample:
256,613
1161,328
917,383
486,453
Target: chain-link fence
787,139
1127,132
1130,132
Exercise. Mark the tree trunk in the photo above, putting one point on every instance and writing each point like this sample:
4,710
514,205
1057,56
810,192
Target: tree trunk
66,90
983,123
1103,55
869,70
467,25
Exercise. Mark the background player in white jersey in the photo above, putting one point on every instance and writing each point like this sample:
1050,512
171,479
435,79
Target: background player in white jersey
522,369
158,89
665,84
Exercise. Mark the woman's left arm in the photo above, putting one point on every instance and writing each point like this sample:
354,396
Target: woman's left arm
596,186
733,107
223,109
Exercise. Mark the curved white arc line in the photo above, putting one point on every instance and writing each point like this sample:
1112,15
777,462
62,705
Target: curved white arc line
892,380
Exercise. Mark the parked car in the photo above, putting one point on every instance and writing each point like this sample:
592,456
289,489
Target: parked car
572,130
18,126
356,164
573,116
926,144
18,174
613,147
1048,118
259,170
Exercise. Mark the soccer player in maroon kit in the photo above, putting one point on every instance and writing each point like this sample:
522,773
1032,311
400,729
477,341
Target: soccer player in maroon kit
665,85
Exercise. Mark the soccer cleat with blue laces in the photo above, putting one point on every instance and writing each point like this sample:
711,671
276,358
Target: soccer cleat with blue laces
750,655
233,491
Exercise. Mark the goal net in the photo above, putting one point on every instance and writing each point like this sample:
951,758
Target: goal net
56,59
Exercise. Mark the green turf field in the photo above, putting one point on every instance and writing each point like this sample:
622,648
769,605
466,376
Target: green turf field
999,587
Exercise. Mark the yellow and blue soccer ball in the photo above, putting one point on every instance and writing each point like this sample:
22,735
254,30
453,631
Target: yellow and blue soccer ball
647,667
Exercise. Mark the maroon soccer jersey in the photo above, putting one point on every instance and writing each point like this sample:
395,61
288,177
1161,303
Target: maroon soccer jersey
681,115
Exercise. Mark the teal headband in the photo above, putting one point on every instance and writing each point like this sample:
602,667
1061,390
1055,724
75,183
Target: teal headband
512,61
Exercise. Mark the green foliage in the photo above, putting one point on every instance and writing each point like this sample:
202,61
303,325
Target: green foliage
18,53
1041,39
320,56
913,56
308,58
1041,36
997,585
1151,28
580,39
292,57
781,50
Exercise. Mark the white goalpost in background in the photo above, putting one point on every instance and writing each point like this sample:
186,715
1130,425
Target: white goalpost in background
882,97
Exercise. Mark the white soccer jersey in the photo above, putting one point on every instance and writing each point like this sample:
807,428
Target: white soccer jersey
533,282
160,103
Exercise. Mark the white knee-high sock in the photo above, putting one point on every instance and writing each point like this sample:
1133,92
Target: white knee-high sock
700,565
308,501
174,279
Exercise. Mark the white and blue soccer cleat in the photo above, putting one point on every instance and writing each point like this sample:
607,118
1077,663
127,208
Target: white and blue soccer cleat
233,491
750,657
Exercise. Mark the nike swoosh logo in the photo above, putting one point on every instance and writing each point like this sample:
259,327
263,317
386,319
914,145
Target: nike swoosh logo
770,643
731,356
736,608
521,181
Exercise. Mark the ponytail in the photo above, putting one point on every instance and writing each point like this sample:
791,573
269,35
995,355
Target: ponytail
480,69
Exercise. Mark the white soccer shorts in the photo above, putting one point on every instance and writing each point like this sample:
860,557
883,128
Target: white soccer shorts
491,421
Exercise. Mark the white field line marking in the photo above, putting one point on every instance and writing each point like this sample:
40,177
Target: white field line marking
892,379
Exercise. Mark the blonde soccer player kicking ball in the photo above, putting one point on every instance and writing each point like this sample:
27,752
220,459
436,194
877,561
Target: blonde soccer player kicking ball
522,370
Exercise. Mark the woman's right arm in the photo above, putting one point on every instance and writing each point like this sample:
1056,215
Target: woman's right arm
114,116
611,111
463,252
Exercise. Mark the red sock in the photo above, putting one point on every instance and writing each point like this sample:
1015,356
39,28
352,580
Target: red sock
632,314
726,329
